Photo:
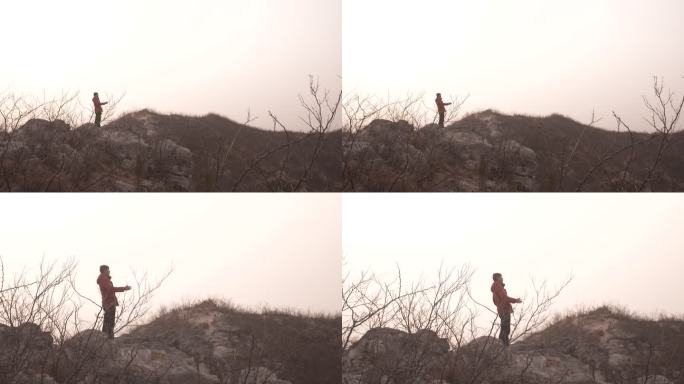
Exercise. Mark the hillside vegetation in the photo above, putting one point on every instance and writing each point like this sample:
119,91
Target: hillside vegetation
603,345
207,342
491,151
148,151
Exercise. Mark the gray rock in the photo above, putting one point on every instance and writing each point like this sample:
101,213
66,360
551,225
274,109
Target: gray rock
380,350
91,357
596,347
23,347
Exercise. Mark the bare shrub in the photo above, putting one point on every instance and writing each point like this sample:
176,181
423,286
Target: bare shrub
443,307
48,306
409,114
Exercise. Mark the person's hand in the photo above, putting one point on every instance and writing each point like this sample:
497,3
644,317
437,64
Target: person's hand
518,300
128,287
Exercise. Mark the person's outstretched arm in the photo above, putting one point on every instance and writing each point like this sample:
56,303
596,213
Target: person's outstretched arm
121,289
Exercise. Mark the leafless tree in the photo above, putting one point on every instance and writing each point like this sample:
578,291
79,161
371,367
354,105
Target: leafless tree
321,115
16,110
17,152
410,111
288,159
360,111
226,150
397,155
568,154
664,110
47,302
443,307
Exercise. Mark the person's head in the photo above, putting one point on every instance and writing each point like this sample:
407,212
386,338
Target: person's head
497,277
439,95
95,94
104,269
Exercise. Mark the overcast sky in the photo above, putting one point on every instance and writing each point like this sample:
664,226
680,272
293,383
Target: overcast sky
621,249
527,56
278,250
193,57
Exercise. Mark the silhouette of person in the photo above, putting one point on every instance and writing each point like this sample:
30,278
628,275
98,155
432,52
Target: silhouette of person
98,108
109,301
441,109
503,306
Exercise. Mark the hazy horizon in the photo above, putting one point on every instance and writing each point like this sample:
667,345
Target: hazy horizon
282,252
207,56
622,250
526,57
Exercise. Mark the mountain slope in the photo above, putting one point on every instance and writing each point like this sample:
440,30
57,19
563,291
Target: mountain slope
598,346
147,151
205,343
490,151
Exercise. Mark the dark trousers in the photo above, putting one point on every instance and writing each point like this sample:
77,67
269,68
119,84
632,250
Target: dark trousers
441,118
98,118
108,321
505,327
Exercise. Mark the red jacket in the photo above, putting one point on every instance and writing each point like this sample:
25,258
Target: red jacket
501,299
440,104
108,291
98,105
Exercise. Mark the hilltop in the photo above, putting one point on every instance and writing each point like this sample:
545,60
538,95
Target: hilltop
148,151
208,343
604,345
491,151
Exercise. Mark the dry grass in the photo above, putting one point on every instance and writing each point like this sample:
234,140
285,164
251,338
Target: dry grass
302,347
569,156
654,343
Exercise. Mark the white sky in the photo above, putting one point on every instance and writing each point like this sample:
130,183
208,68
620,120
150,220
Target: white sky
621,249
278,250
527,56
194,57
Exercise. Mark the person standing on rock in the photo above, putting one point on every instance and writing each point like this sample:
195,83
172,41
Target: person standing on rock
109,301
441,109
503,306
98,108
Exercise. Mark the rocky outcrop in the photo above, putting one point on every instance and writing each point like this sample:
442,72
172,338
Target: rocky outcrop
388,155
45,155
23,349
146,151
204,344
490,151
618,346
385,353
90,357
596,347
